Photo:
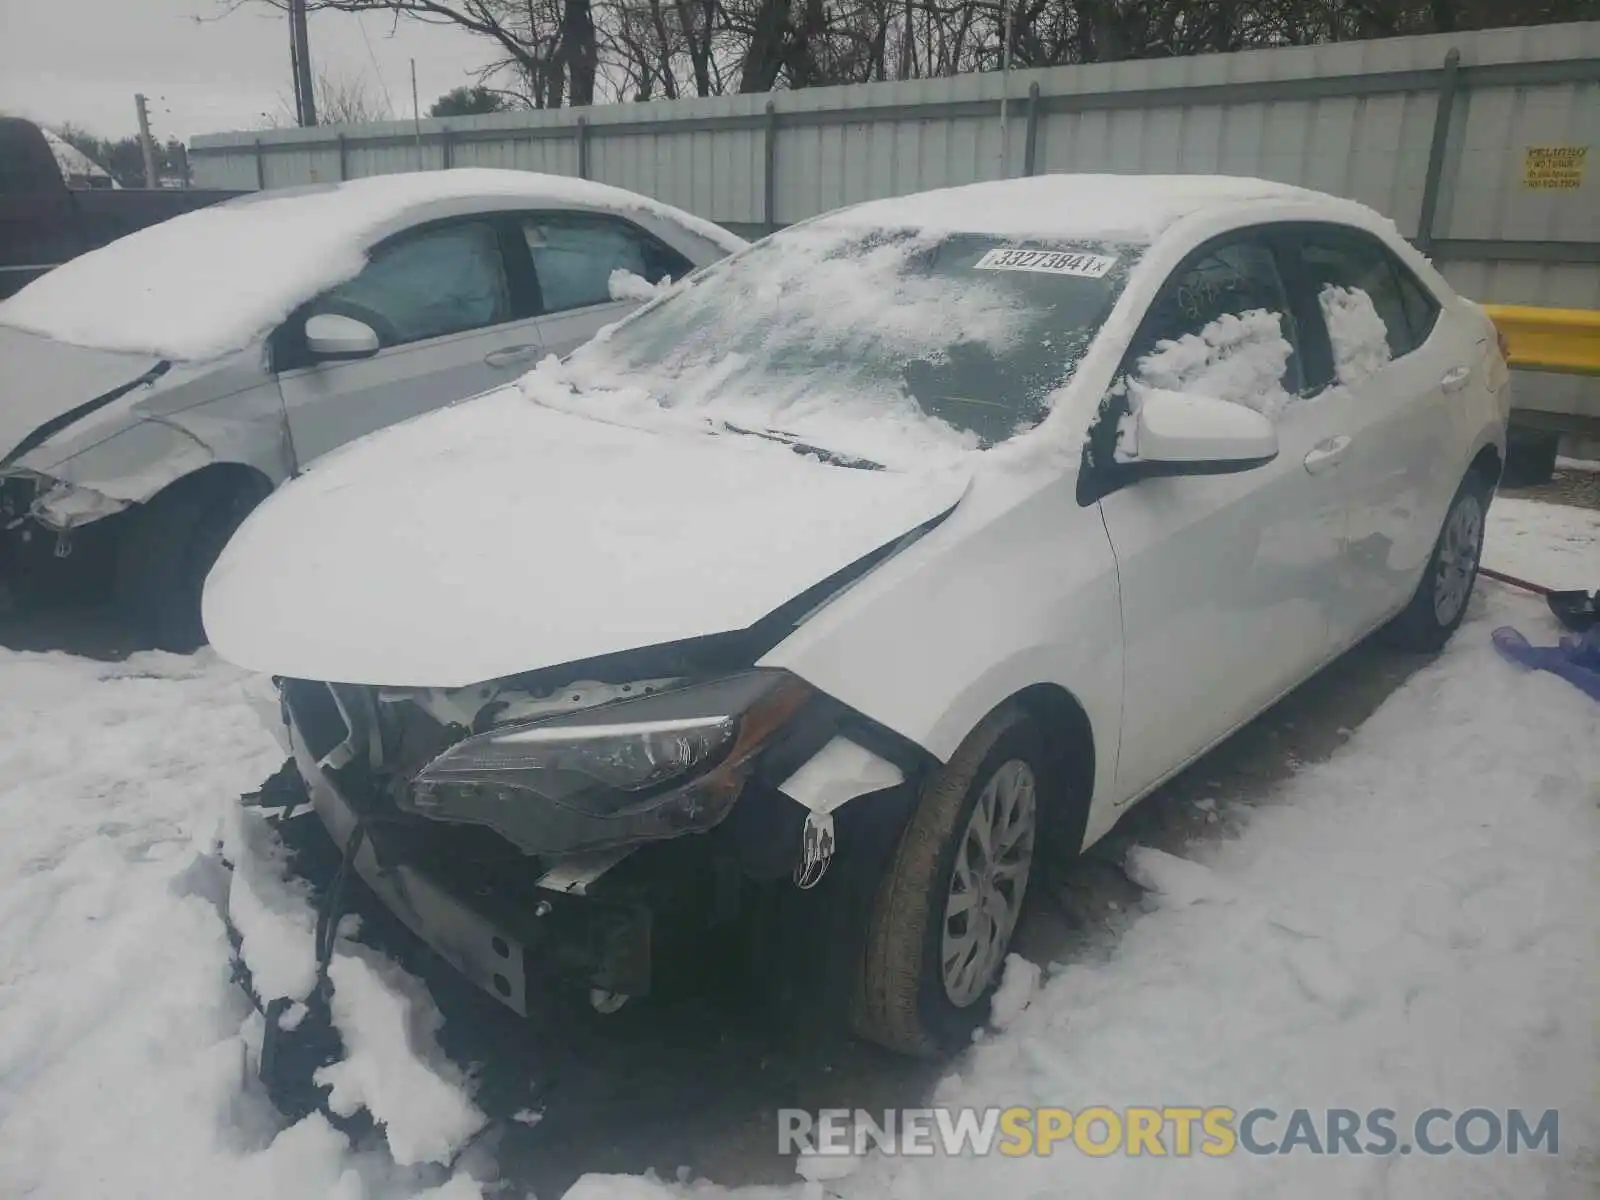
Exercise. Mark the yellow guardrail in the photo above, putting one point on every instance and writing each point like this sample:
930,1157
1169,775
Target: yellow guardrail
1566,340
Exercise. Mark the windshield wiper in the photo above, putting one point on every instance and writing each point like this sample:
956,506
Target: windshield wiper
832,457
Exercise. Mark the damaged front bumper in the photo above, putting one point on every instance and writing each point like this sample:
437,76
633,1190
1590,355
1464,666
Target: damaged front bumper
512,890
55,541
499,930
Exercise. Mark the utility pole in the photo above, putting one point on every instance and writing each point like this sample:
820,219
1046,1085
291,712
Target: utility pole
1005,82
300,49
146,143
416,113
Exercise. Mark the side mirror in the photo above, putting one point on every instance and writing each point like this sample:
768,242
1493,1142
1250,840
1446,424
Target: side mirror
1180,434
333,338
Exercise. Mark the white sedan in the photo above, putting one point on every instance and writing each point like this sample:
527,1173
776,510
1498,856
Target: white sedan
886,556
152,391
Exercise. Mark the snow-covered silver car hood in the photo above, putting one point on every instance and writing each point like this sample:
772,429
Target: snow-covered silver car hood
498,536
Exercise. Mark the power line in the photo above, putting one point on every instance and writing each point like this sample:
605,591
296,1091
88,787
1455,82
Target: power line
373,59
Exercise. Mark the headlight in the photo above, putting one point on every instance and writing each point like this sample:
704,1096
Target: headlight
633,770
62,506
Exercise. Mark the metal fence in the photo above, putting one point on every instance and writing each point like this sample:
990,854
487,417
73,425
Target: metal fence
1477,145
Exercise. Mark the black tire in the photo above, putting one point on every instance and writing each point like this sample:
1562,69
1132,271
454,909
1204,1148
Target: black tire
1428,621
901,999
168,548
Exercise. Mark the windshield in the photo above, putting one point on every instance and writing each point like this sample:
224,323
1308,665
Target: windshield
878,343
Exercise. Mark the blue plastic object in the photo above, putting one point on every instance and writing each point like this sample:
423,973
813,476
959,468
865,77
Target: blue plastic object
1576,659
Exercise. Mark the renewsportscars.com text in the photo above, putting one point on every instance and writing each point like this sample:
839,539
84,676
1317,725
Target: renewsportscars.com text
1169,1131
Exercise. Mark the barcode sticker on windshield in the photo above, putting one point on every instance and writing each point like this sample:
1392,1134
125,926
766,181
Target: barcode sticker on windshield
1046,262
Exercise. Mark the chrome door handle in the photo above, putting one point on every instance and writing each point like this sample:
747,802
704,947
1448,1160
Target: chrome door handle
1326,454
1455,378
509,356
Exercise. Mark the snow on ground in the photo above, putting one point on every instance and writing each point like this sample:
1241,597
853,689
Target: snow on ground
1410,926
126,1054
1553,545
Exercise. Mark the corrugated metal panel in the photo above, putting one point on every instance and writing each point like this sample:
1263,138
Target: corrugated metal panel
1356,119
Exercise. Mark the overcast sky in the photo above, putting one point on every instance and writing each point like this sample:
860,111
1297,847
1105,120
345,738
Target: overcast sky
83,60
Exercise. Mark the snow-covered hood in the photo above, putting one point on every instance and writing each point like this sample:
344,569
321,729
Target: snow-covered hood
499,536
44,381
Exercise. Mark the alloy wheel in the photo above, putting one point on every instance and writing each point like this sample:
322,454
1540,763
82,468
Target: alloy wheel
988,882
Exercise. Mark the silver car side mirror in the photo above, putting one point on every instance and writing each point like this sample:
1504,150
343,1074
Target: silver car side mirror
331,337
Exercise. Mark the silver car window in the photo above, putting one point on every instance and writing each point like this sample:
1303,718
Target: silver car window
441,280
574,256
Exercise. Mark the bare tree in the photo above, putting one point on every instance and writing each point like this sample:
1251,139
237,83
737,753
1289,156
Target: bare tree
341,100
551,53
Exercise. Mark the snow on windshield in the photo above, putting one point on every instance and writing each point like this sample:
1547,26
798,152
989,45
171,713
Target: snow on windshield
1241,358
1359,336
209,282
894,346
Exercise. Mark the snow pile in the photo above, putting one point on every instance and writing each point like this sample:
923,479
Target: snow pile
126,1052
623,284
1360,338
392,1066
1018,986
1239,358
1409,925
211,281
317,583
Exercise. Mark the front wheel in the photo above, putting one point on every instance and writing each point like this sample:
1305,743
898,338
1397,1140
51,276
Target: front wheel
1440,601
164,557
950,901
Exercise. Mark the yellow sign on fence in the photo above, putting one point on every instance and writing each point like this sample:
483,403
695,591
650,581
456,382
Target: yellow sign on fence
1554,168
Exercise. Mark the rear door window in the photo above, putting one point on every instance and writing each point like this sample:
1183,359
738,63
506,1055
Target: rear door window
574,255
1354,277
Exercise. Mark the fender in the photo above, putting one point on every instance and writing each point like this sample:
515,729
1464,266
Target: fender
1017,588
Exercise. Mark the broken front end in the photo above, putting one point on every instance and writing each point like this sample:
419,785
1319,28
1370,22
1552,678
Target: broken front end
534,831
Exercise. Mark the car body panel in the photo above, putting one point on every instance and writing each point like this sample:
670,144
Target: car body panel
1229,586
1406,421
562,333
45,379
191,416
1016,589
331,403
500,536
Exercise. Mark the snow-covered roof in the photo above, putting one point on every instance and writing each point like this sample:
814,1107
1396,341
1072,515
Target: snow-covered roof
1113,208
212,281
71,160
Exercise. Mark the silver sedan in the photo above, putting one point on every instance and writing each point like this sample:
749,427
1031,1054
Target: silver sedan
154,391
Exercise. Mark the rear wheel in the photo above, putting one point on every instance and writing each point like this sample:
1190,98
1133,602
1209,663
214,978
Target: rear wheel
168,549
1440,601
950,901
